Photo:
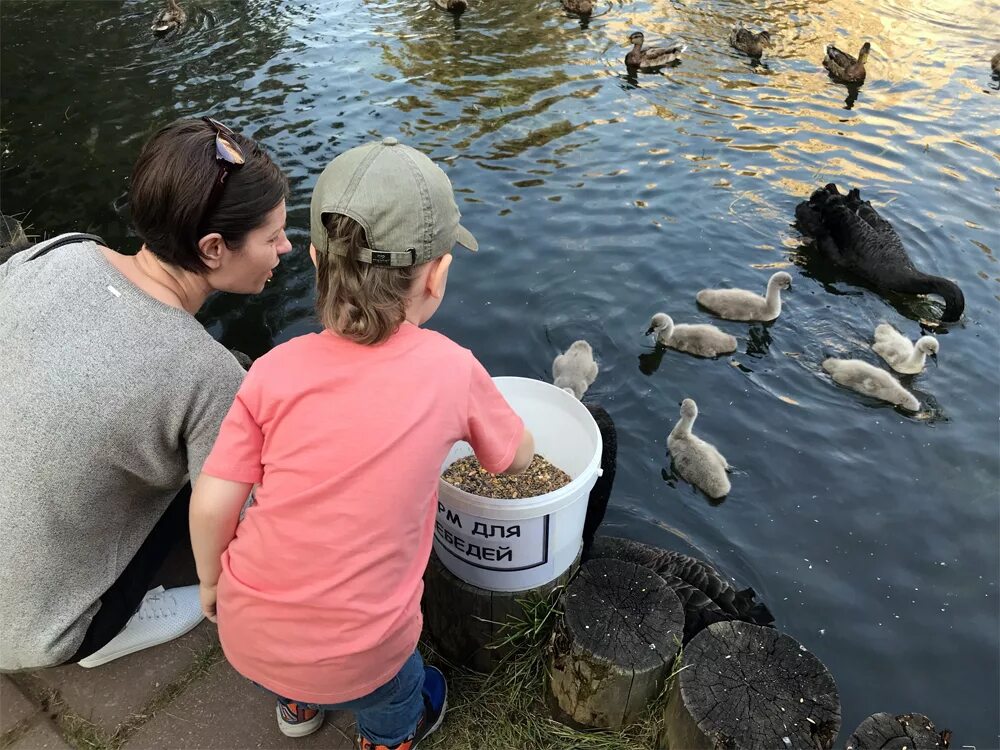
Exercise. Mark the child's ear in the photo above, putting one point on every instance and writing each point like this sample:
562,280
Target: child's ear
437,279
312,254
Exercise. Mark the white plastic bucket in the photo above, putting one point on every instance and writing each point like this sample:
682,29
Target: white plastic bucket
513,545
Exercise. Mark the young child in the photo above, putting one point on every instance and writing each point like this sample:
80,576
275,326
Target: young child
317,590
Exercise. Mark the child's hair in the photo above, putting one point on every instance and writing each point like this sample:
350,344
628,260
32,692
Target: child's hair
359,301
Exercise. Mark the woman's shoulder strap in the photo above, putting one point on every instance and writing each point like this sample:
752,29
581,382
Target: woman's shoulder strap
45,246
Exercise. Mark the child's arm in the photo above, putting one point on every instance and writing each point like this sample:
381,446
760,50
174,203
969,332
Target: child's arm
215,511
525,452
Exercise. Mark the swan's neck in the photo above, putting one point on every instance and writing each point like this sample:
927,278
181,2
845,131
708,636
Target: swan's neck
173,5
683,426
773,299
949,291
664,334
916,359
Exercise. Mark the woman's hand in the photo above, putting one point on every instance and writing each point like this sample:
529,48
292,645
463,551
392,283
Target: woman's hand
208,595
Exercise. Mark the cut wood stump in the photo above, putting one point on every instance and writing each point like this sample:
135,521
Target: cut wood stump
884,731
463,621
621,630
706,595
743,687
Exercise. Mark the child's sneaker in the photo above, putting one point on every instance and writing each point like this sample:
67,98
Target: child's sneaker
162,616
295,720
435,704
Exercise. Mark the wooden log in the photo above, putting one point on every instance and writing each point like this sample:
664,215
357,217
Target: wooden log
706,595
621,631
884,731
743,687
462,621
597,503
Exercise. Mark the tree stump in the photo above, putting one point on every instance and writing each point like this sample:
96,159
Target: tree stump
463,621
883,731
743,687
706,595
621,631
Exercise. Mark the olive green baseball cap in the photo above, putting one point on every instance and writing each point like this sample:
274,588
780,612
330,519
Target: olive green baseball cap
401,198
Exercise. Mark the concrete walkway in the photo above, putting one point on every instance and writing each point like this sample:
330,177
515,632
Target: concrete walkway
182,694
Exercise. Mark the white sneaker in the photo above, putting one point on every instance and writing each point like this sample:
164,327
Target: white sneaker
162,616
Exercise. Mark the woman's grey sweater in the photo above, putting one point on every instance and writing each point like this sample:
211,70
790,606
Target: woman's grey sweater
109,401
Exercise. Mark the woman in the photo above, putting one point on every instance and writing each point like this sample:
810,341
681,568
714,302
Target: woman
112,394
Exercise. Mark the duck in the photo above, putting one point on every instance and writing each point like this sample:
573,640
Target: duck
698,462
706,595
844,67
701,339
900,353
995,64
749,42
739,304
852,235
582,8
452,6
652,58
575,370
170,18
871,381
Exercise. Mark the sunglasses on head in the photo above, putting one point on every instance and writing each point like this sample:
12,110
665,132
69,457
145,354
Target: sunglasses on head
229,156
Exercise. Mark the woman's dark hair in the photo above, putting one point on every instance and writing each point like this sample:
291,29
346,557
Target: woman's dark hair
173,179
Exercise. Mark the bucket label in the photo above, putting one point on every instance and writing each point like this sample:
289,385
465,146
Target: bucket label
491,544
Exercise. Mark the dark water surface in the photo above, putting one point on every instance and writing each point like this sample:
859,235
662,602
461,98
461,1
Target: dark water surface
872,535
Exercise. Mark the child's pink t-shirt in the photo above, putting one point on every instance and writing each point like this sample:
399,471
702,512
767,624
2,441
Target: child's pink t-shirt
319,597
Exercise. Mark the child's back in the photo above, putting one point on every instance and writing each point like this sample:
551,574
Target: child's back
351,441
317,590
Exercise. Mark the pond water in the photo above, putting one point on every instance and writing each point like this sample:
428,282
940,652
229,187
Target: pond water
872,535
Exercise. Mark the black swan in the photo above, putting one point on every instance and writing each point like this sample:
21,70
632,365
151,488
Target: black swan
597,503
707,597
851,234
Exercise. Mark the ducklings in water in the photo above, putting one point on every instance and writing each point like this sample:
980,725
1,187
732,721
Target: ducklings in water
698,462
170,18
452,6
651,59
749,42
575,370
701,340
844,67
900,353
870,381
739,304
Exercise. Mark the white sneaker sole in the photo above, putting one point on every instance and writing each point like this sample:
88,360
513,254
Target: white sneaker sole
100,657
299,730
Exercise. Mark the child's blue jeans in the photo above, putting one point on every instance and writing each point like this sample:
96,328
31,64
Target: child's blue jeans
389,714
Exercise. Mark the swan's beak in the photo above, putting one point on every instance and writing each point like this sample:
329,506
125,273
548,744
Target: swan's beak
934,357
649,330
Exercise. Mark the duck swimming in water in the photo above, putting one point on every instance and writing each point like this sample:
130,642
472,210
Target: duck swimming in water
844,67
170,18
452,6
581,8
851,234
651,59
749,42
